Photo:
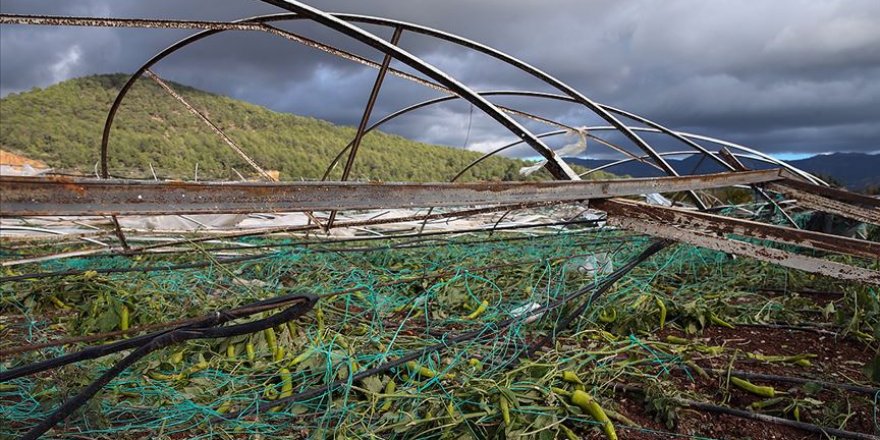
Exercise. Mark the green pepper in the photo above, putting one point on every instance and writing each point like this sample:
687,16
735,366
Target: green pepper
479,311
589,406
763,391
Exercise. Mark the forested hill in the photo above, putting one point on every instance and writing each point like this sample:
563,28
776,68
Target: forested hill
61,126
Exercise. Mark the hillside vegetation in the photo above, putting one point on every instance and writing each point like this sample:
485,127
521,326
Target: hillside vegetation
61,126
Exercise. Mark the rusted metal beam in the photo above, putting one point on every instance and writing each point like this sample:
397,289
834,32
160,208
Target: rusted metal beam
721,227
833,201
34,196
775,256
726,155
49,20
833,193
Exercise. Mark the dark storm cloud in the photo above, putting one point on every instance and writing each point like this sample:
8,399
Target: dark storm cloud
782,76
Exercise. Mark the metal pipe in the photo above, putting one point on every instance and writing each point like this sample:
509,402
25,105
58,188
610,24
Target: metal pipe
29,196
556,166
365,118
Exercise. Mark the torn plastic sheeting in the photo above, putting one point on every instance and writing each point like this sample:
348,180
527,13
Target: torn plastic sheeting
186,223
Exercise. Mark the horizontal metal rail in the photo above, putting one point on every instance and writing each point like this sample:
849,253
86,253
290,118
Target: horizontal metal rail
35,196
775,256
723,226
833,201
623,216
835,194
49,20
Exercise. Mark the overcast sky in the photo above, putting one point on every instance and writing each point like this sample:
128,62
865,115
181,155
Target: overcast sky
786,77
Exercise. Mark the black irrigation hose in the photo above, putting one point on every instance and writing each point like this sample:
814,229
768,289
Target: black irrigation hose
149,343
302,304
94,352
423,276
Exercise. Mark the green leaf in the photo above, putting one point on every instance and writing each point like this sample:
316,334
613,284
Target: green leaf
108,320
828,310
373,384
811,387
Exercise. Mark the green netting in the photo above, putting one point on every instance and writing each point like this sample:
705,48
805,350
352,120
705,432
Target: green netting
398,299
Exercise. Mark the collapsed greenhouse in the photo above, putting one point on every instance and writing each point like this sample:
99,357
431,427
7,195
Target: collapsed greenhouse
685,306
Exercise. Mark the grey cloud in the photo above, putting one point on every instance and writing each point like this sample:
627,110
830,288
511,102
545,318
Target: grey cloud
782,76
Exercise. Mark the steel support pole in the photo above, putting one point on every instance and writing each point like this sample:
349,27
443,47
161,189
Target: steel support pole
365,118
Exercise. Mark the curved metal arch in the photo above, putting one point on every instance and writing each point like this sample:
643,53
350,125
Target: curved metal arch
657,128
686,138
809,176
557,167
525,67
386,22
542,135
336,20
439,100
339,23
670,153
532,94
763,157
114,108
751,154
500,149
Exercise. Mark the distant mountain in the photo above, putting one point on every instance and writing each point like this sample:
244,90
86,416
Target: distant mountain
855,171
61,126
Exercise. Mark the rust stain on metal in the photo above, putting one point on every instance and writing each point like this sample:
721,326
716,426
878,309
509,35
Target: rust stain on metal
771,255
120,197
724,226
854,206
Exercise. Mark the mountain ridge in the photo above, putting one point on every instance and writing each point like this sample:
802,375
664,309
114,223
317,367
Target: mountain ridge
61,126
